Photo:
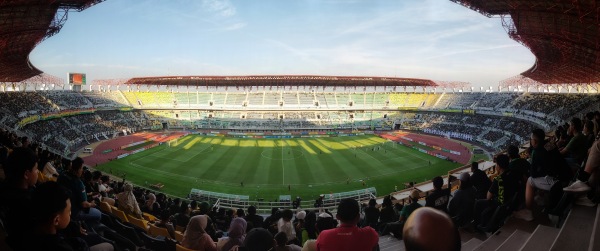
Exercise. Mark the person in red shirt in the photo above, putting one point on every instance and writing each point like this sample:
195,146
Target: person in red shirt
348,236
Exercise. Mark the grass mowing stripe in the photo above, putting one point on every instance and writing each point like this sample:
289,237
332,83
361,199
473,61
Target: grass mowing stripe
313,166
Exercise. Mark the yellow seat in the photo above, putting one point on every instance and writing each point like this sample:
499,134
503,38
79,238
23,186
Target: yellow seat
105,208
179,228
178,236
149,217
158,231
143,224
120,214
182,248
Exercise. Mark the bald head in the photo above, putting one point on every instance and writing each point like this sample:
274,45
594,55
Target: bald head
430,229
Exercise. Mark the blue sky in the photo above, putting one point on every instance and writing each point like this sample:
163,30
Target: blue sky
432,39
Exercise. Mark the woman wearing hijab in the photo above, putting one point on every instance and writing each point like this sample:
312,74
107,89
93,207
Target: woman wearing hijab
127,202
151,206
195,237
236,234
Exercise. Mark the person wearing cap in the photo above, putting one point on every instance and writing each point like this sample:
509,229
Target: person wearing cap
348,236
460,207
396,227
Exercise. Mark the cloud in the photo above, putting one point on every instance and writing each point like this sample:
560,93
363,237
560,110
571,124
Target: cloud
223,8
235,26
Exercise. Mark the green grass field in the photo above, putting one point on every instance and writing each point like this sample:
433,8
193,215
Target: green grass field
268,166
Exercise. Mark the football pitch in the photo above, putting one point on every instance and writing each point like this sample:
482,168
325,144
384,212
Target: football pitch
267,168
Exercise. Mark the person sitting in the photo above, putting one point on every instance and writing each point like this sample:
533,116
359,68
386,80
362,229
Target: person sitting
235,235
427,229
396,227
371,214
348,236
387,214
21,173
195,236
480,181
517,163
253,219
543,173
81,209
501,193
576,150
285,224
324,222
165,222
259,239
460,207
183,216
439,198
280,243
583,183
128,203
151,206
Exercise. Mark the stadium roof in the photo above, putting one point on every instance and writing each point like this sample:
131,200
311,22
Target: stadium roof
280,80
23,25
562,34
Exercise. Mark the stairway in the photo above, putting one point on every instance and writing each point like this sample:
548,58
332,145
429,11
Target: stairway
580,231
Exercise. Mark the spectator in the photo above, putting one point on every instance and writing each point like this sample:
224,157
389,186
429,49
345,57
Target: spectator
576,150
439,198
128,203
430,230
151,206
20,169
542,172
583,184
299,226
280,243
235,235
588,132
348,236
259,239
324,222
372,214
503,190
460,208
183,216
270,222
517,163
81,209
309,231
240,213
164,221
285,224
480,181
253,219
396,227
53,214
387,213
195,237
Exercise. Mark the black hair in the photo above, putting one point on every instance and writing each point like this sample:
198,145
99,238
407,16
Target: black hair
577,124
474,165
310,222
502,161
538,134
372,202
513,152
258,239
193,204
52,200
251,210
348,210
184,207
438,182
281,239
76,164
240,212
20,160
287,214
96,175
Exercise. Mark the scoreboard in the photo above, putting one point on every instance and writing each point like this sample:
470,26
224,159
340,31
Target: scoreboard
77,79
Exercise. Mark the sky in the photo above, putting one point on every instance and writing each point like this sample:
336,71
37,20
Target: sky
430,39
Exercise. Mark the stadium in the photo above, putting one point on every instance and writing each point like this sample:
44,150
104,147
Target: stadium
307,142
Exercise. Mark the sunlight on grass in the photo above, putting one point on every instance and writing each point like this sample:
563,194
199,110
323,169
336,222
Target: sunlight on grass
306,147
191,143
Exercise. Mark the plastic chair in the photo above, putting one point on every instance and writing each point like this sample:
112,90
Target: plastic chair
143,224
149,217
105,208
182,248
178,236
120,215
158,231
